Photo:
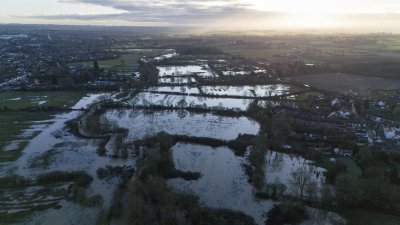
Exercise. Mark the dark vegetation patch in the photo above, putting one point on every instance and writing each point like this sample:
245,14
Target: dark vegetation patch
200,50
43,160
286,213
150,200
101,150
110,172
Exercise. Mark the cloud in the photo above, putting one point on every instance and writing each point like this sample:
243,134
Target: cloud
231,14
169,12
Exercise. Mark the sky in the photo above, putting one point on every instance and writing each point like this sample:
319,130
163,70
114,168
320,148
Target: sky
373,15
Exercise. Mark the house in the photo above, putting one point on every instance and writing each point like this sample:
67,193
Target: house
389,133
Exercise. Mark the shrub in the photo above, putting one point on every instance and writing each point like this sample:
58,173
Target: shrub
14,181
286,213
60,176
93,201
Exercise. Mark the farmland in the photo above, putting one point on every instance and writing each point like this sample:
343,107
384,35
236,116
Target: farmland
339,82
207,129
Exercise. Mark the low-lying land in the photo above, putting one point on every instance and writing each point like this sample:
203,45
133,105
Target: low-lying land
347,83
203,133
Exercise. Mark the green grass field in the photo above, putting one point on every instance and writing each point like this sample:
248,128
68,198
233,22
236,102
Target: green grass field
11,126
364,217
16,100
304,96
128,61
12,123
262,53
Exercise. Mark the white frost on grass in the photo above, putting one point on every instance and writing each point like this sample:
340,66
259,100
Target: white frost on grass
223,183
142,123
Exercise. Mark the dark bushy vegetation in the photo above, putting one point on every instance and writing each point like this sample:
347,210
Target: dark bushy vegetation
286,213
201,50
83,179
101,150
148,73
14,181
110,171
151,201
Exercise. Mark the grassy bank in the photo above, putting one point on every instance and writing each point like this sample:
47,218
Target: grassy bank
18,100
11,125
364,217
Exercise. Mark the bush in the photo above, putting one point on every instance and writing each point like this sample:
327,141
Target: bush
165,141
286,213
101,150
60,176
102,173
110,171
14,181
94,201
84,180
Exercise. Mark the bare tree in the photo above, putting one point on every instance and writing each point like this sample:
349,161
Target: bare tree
301,178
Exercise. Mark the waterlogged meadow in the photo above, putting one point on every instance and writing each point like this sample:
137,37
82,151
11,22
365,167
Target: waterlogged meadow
42,198
146,123
202,71
248,91
169,100
224,183
175,89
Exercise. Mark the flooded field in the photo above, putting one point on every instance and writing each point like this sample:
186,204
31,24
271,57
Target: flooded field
166,56
177,80
279,166
202,71
143,123
224,184
248,91
55,149
154,99
235,73
175,89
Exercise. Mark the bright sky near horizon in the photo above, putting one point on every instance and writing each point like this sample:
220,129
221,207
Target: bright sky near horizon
238,13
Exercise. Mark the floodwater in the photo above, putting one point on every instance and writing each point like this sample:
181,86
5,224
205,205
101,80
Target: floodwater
249,91
154,99
224,183
203,71
177,80
175,89
279,166
70,153
144,123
